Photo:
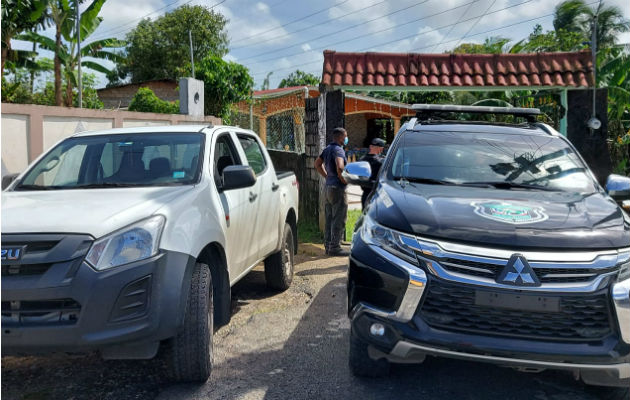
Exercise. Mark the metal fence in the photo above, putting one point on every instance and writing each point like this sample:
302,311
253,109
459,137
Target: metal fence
277,118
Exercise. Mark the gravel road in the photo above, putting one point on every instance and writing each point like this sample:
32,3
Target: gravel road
291,345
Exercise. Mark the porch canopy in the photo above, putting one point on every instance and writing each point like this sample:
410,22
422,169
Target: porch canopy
465,72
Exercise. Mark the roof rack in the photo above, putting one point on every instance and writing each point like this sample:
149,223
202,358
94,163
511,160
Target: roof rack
425,111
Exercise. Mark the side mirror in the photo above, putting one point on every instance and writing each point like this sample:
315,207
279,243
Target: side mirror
238,177
618,187
358,173
8,179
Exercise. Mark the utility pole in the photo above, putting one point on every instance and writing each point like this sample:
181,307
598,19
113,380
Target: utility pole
594,123
192,60
80,83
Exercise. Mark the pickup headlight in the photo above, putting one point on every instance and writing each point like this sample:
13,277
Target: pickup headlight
133,243
397,243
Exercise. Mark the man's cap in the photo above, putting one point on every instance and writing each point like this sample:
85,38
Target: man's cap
378,142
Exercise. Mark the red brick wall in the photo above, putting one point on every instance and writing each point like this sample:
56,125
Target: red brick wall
120,96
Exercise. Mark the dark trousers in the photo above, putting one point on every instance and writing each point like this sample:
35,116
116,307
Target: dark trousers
336,210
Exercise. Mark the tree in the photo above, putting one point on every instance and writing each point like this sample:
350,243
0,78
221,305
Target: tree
575,16
265,84
225,83
19,16
550,41
299,78
155,49
492,45
66,54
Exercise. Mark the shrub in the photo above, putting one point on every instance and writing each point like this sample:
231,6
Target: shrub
146,101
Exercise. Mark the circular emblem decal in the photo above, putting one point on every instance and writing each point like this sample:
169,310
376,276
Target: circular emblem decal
509,213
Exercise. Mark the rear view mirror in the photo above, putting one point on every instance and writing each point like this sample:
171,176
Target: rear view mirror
618,187
238,177
358,173
8,179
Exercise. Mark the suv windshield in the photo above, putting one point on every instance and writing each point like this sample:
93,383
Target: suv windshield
147,159
493,159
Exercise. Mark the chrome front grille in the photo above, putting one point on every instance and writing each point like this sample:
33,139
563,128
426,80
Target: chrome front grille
576,271
555,273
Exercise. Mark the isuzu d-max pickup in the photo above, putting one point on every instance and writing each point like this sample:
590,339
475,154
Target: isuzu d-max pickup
126,241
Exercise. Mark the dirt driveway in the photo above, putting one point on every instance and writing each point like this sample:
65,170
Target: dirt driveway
291,345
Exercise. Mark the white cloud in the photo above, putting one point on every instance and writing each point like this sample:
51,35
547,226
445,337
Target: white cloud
306,47
354,12
262,7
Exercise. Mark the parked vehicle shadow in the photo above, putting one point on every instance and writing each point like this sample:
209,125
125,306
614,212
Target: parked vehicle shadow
312,364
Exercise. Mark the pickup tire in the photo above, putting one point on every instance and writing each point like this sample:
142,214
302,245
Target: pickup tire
360,362
190,356
279,265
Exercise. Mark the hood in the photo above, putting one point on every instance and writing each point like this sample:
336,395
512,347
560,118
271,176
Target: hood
96,212
503,218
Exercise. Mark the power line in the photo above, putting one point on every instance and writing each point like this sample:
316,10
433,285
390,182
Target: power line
136,20
292,22
398,40
336,32
476,22
310,27
431,45
105,33
453,27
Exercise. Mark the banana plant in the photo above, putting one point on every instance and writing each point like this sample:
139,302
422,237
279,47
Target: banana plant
63,16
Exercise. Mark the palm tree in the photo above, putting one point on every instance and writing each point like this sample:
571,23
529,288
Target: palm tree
576,16
66,54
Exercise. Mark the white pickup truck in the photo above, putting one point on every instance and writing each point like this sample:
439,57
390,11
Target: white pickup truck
127,239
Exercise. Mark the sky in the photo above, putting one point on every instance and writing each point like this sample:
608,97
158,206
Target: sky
281,36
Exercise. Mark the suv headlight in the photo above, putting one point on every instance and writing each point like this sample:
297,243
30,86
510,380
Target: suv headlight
397,243
132,243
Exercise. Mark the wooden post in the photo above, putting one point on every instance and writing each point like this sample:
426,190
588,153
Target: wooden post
396,125
262,122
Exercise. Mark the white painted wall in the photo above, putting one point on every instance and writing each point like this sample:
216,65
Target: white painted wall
13,133
57,128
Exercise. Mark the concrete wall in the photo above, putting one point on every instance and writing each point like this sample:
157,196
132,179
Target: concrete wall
28,130
356,126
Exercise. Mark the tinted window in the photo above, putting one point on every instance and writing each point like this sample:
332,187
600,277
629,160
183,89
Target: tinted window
123,160
224,156
254,154
467,157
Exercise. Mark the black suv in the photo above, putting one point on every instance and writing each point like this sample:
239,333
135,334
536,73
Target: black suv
490,242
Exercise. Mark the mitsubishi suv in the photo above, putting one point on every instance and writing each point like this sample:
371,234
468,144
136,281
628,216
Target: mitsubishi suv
490,242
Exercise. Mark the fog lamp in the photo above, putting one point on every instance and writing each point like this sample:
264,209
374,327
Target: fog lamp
377,329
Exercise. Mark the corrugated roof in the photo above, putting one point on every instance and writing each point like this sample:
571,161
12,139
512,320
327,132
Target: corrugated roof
474,70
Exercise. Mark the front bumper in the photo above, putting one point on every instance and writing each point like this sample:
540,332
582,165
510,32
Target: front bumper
409,338
124,312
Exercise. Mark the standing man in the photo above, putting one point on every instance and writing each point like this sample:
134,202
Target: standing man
330,165
376,161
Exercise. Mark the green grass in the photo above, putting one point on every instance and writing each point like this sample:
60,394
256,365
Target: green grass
353,216
308,230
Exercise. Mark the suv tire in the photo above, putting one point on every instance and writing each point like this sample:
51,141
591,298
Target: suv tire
609,393
361,364
279,265
190,356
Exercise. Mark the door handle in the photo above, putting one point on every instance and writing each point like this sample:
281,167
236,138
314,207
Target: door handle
252,197
275,187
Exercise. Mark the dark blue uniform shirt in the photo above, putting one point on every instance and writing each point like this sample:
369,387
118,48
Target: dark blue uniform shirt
329,155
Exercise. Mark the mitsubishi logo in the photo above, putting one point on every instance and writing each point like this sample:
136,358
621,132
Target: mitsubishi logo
518,272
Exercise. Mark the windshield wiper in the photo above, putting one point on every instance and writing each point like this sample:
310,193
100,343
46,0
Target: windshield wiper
36,187
105,185
428,181
513,185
